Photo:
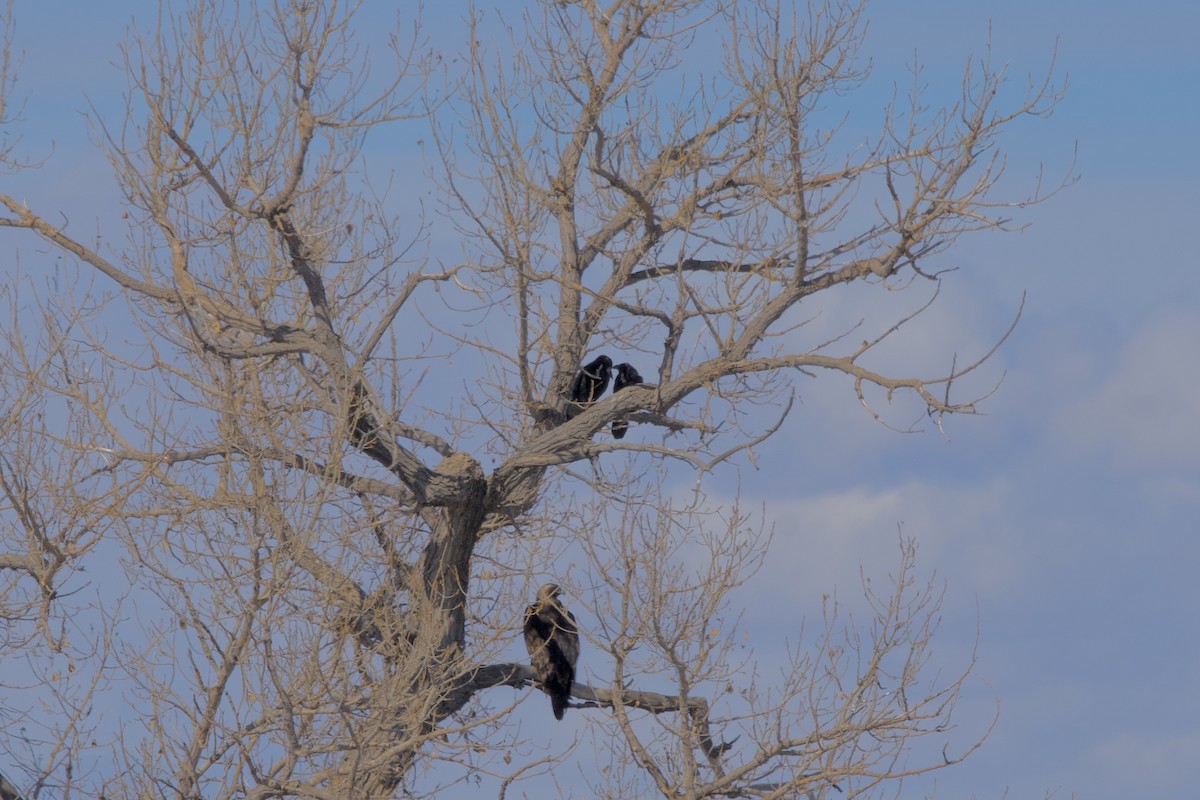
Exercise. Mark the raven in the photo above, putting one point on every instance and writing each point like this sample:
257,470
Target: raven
626,376
552,640
591,381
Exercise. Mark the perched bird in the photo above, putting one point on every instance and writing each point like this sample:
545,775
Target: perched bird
591,381
553,644
626,376
8,791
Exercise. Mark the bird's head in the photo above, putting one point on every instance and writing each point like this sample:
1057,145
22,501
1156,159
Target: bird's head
601,367
627,375
549,592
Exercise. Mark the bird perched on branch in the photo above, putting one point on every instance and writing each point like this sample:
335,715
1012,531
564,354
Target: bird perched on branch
626,376
591,381
552,640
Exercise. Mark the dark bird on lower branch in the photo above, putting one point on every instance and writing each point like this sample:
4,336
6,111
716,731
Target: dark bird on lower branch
8,791
552,640
626,376
591,381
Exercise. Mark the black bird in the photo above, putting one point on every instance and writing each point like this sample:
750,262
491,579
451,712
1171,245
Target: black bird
552,640
626,376
7,790
591,381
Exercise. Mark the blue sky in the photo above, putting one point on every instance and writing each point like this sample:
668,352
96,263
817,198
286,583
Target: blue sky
1064,519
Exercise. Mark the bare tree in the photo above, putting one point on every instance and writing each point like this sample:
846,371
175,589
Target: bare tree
312,584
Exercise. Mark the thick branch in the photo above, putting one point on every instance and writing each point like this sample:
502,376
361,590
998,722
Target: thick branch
24,563
701,265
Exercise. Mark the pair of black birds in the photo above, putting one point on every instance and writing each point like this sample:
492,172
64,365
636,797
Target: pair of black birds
593,379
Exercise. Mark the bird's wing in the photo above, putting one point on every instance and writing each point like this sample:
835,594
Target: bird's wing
567,637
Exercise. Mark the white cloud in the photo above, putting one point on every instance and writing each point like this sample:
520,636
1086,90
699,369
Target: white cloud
826,543
1146,414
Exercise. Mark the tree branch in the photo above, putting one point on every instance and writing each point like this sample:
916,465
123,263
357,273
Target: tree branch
521,675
